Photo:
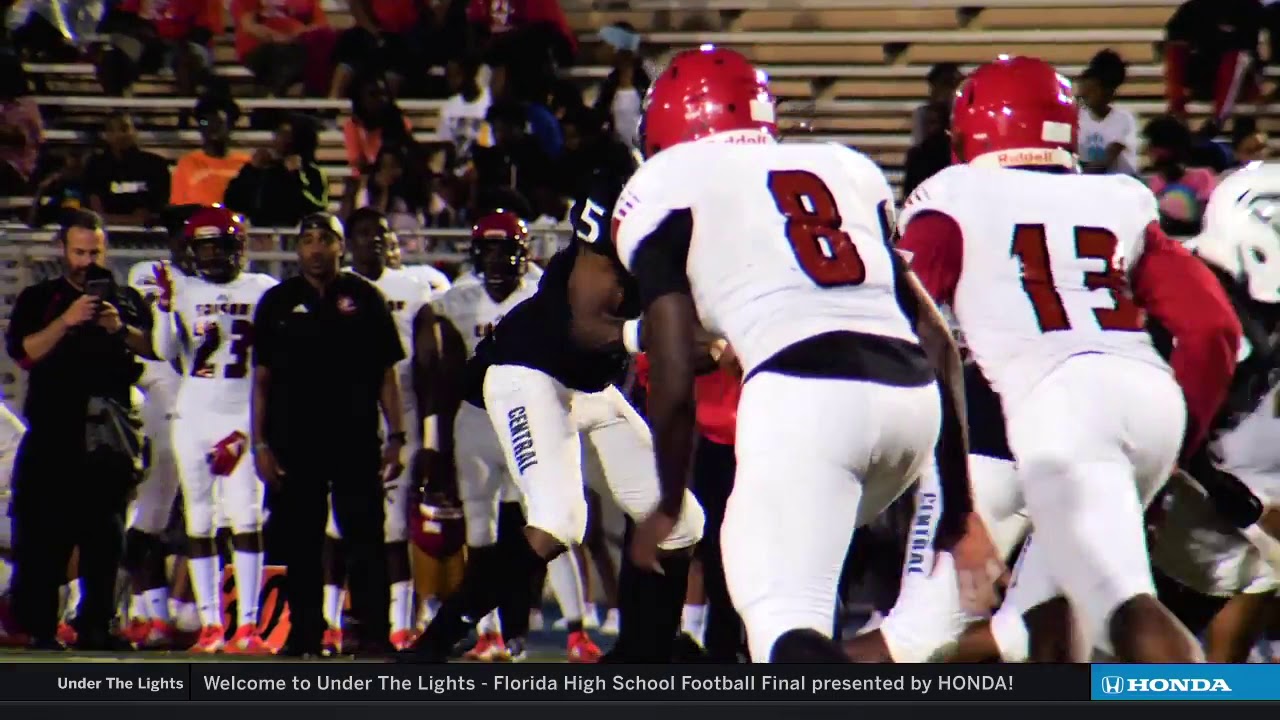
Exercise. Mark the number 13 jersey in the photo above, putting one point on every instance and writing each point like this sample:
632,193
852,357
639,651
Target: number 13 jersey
1036,266
218,374
784,242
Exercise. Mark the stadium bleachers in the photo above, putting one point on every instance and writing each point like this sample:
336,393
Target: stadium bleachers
848,71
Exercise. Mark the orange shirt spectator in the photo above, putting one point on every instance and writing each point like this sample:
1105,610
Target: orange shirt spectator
201,179
373,114
287,19
363,144
176,20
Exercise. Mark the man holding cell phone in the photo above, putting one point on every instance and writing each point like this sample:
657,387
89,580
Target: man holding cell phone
79,337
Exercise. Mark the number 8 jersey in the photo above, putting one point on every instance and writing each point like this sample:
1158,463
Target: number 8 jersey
1036,266
218,372
784,242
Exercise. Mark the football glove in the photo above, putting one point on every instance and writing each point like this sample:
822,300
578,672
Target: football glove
227,452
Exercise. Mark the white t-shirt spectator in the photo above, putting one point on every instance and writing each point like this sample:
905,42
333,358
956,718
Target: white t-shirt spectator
462,123
1119,126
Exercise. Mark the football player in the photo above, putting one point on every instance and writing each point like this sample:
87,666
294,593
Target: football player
1050,294
211,419
546,378
1208,572
783,250
427,275
11,432
368,235
468,313
152,508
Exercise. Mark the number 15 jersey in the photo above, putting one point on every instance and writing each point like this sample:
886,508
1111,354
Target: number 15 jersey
218,374
784,242
1036,266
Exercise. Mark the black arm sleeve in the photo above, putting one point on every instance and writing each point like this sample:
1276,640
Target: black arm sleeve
265,342
24,320
659,264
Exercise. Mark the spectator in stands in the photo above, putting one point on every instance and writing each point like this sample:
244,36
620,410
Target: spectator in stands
126,185
588,146
1248,143
1209,51
285,42
462,122
21,129
933,154
386,40
147,35
61,191
622,92
516,160
392,189
943,79
540,119
375,121
201,176
50,31
282,184
520,37
1182,191
1108,134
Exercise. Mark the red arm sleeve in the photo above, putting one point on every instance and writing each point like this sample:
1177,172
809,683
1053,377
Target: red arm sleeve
1183,296
936,248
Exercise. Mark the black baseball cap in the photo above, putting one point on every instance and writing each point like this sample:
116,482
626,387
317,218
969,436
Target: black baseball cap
322,221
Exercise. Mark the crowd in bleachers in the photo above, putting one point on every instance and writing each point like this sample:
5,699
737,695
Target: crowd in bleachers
511,131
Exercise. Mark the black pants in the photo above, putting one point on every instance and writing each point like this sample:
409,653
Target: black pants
714,466
299,511
62,501
519,597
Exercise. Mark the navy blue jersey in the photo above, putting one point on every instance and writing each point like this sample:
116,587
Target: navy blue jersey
536,333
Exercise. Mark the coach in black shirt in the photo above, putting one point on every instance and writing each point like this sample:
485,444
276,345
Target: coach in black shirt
325,349
78,336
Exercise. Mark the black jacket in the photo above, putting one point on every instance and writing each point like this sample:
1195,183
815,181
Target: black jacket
275,197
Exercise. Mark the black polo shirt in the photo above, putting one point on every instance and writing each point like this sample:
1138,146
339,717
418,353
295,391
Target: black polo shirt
327,355
134,181
87,362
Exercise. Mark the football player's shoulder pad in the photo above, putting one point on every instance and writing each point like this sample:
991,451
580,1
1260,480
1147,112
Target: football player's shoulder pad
940,193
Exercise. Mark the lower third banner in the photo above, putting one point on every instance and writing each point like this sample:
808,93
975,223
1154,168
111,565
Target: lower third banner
294,682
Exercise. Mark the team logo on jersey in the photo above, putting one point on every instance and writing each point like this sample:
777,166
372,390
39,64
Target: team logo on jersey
521,439
346,305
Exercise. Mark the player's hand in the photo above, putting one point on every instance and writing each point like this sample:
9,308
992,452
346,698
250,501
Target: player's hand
978,567
648,534
724,354
164,287
392,461
109,317
226,454
269,470
82,310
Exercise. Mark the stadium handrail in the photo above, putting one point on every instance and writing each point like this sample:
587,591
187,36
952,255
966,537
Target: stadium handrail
167,103
878,37
192,137
795,5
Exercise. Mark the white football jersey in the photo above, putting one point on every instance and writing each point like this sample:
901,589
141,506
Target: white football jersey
405,297
1249,450
1044,271
218,319
435,280
788,241
159,381
468,306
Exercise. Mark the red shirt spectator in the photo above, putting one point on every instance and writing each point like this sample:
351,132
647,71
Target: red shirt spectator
501,16
176,20
395,16
717,394
289,18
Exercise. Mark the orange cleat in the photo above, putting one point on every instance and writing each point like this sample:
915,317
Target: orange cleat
331,642
212,639
582,649
67,635
402,639
247,641
489,648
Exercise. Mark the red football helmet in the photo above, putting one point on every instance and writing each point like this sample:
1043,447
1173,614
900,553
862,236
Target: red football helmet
705,92
436,526
1015,112
217,238
500,247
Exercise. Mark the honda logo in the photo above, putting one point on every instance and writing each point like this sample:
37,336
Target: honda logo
1112,685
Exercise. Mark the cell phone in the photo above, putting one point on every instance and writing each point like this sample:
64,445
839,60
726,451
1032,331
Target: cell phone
98,287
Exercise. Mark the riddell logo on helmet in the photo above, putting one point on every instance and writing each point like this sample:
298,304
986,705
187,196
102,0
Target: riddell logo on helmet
1018,158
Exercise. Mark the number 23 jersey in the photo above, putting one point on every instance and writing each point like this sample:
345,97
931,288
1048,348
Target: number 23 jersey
1039,268
784,242
219,317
